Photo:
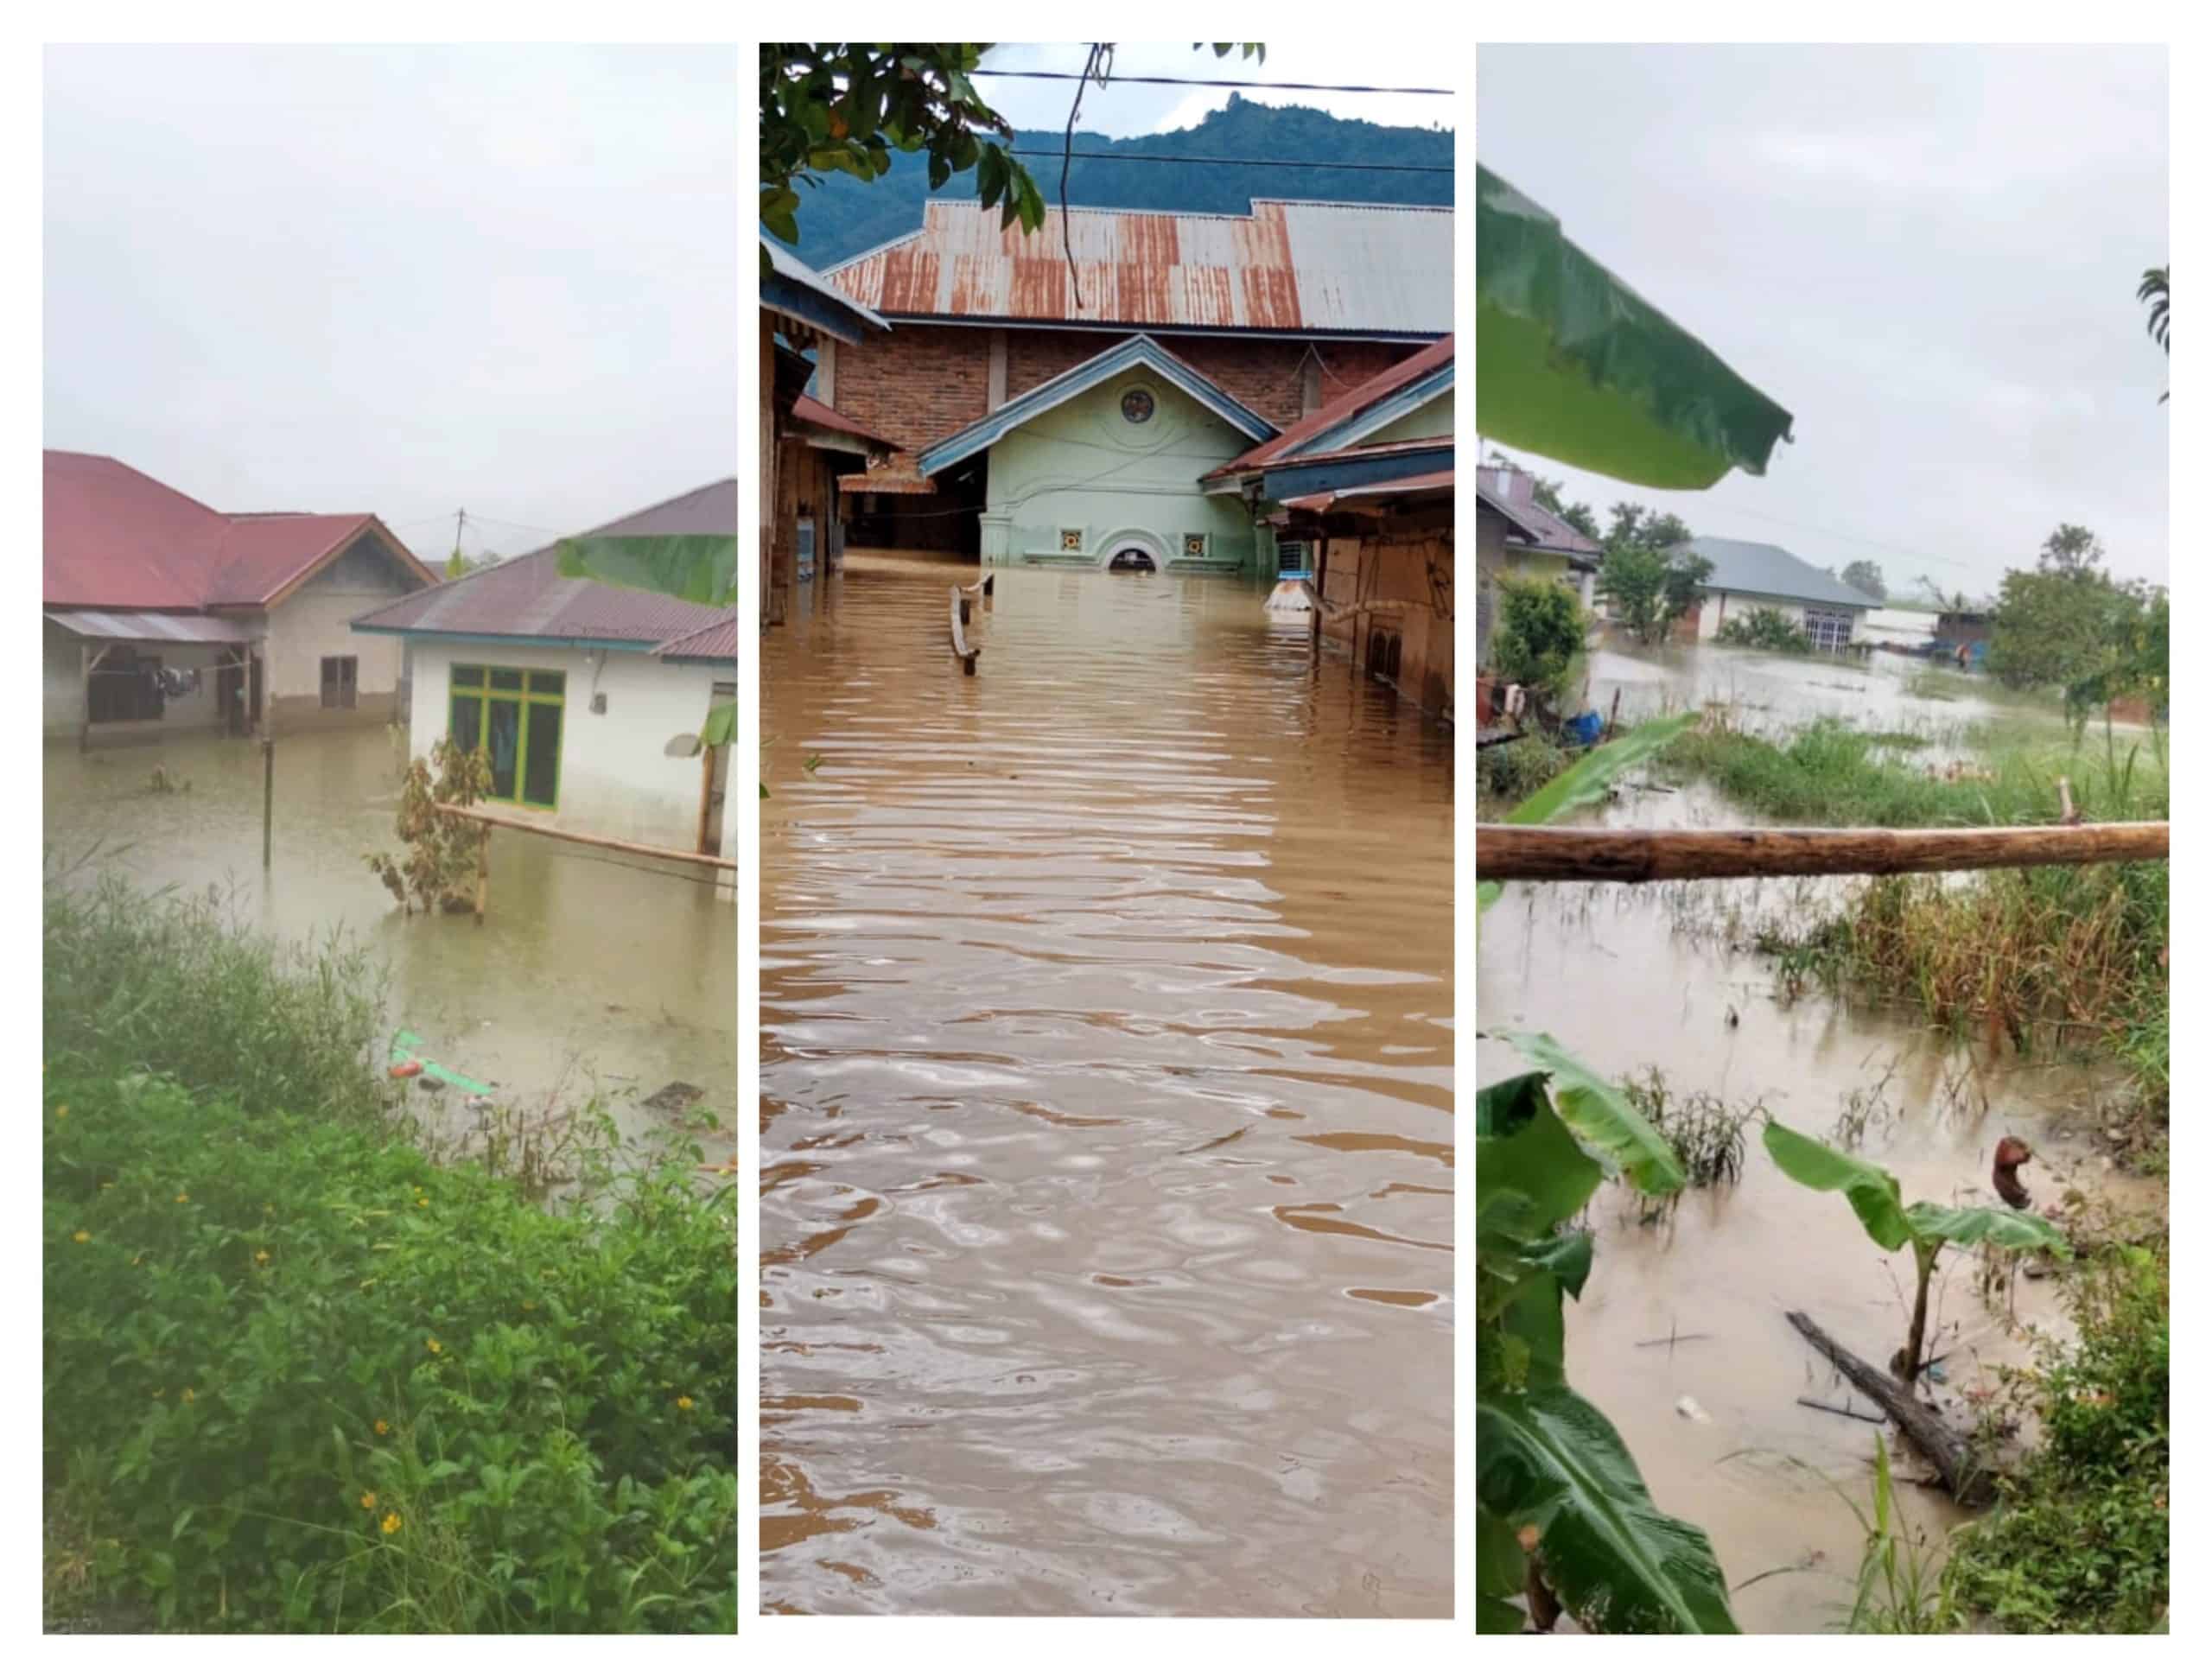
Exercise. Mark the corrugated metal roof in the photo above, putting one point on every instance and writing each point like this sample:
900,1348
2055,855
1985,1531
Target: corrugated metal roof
796,289
185,627
1382,386
715,644
1289,266
1427,483
808,411
527,596
117,538
1762,567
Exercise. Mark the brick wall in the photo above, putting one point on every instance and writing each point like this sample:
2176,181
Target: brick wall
918,383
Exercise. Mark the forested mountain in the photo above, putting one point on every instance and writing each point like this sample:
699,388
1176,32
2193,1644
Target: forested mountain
844,216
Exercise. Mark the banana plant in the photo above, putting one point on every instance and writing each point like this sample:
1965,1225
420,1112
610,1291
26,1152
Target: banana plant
1892,1225
1561,1508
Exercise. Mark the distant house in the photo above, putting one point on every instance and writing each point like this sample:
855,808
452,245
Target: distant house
1054,413
162,615
578,688
1747,575
1360,494
806,443
1535,541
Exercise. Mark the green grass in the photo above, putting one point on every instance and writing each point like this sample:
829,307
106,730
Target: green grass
2080,1540
299,1376
1506,774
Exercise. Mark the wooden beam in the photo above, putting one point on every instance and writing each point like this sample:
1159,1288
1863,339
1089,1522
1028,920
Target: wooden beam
961,649
1632,856
594,840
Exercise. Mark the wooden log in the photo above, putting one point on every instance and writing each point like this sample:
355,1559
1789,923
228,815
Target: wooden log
591,841
483,869
268,798
1948,1450
961,649
1631,855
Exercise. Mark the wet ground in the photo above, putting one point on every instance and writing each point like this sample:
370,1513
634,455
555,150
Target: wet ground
587,972
1635,977
1106,1141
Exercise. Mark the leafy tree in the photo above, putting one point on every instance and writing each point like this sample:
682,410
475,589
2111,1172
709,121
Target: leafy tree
1636,525
1866,575
1539,633
2068,625
2071,548
848,107
1633,580
2153,290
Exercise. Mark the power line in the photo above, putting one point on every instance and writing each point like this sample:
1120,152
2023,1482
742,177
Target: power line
1209,81
1235,163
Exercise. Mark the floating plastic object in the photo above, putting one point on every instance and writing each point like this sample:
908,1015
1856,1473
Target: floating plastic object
408,1068
407,1041
1689,1409
1586,728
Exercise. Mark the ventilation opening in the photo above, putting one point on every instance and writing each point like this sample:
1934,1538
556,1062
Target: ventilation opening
1135,559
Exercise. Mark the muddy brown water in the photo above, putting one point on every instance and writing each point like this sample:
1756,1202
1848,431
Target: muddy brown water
1637,977
1106,1213
586,975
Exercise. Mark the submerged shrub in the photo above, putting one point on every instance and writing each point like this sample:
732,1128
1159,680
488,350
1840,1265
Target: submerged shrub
1512,771
2079,1542
1766,628
299,1378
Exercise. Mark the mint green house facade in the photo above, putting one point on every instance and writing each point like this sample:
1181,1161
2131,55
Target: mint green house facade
1102,467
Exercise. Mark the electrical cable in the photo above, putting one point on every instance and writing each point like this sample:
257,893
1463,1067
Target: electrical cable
1214,81
1231,162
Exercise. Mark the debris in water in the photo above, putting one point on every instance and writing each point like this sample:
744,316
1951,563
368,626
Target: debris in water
676,1099
1689,1409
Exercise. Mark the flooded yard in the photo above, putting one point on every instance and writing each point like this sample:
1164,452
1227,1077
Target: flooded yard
1692,1306
1106,1142
587,973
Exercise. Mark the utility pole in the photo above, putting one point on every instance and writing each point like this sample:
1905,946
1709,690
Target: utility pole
459,518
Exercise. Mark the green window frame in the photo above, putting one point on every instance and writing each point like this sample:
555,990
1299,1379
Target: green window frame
482,702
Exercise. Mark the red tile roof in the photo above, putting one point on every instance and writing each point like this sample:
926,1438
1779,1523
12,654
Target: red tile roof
117,538
1384,384
528,596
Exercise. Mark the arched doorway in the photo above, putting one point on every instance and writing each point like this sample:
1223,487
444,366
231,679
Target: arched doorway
1132,550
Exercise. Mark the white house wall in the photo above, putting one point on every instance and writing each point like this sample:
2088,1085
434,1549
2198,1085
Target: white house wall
616,778
315,623
1726,607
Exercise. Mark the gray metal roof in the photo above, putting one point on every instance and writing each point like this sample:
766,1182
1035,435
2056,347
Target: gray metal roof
1762,567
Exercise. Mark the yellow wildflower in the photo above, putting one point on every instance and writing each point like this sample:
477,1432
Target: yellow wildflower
160,1391
261,1257
104,1186
436,1350
81,1235
391,1524
368,1499
382,1427
62,1111
188,1394
423,1203
182,1199
684,1403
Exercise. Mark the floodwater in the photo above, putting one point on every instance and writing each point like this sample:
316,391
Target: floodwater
1106,1213
588,973
1637,977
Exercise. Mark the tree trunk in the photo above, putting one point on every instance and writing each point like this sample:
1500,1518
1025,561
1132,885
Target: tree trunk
1948,1450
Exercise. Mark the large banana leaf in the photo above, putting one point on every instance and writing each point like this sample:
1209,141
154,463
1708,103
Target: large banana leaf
1985,1225
1546,1458
1591,777
702,569
1605,1125
1873,1192
1501,1571
1576,366
1540,1160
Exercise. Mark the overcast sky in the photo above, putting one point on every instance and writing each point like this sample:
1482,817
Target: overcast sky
1125,109
1928,254
398,280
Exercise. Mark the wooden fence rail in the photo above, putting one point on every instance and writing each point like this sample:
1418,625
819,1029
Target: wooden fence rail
1631,855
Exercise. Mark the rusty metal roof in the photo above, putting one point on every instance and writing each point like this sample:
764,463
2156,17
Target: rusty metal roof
1427,486
1385,384
1378,269
528,598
